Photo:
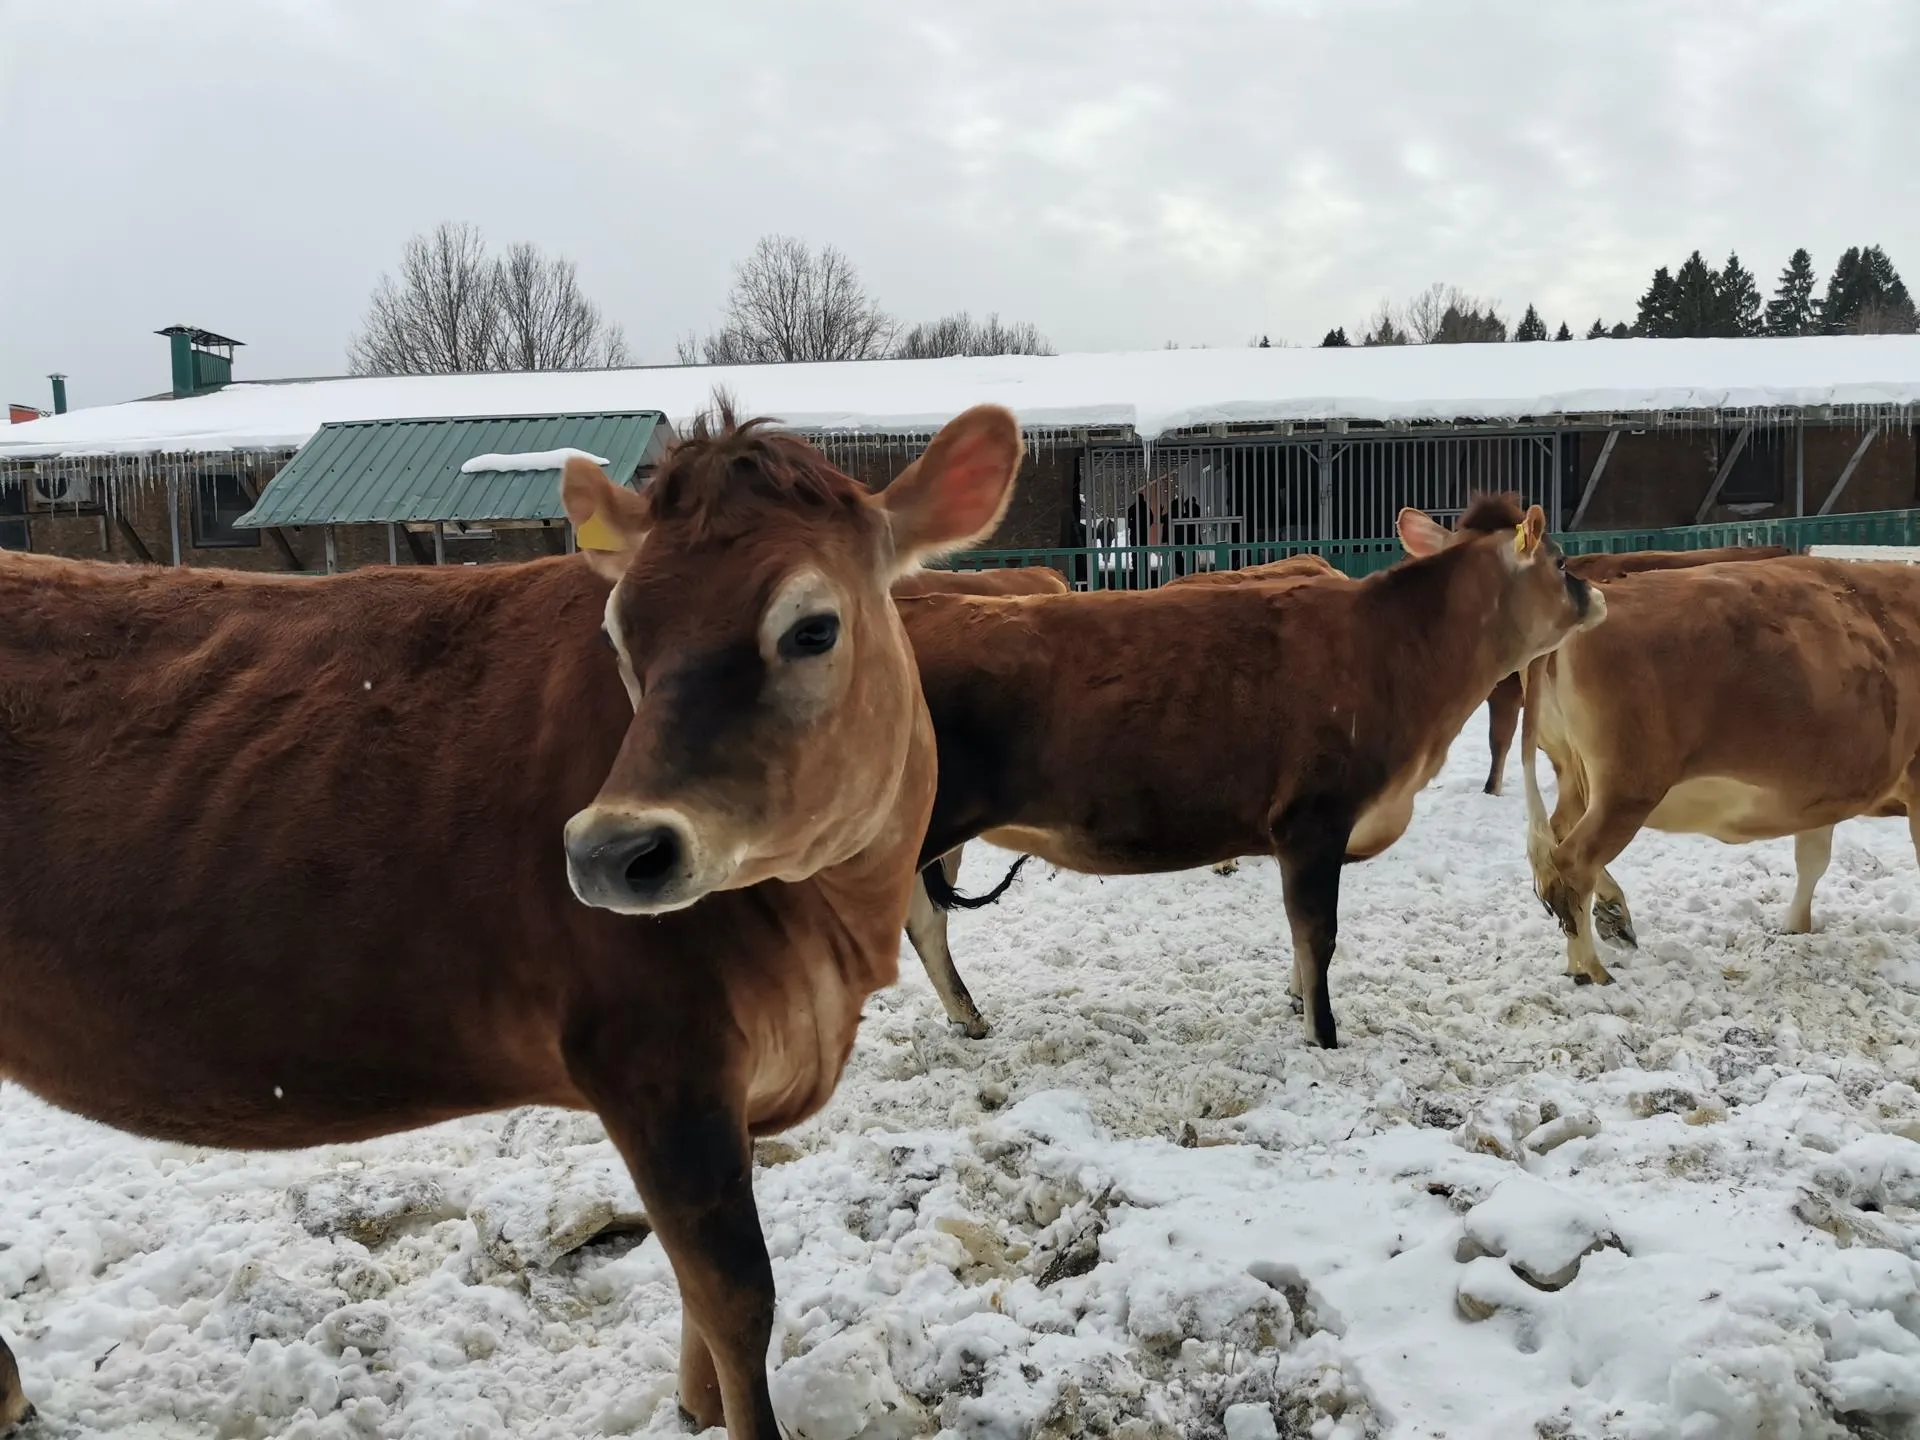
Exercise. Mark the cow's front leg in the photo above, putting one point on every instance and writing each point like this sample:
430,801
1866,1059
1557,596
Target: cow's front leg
14,1409
685,1140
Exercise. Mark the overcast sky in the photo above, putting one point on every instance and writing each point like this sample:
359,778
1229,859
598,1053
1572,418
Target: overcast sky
1122,174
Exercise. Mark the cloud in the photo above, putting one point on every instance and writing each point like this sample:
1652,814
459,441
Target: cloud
1120,173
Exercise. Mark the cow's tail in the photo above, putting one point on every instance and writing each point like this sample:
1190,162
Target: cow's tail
944,897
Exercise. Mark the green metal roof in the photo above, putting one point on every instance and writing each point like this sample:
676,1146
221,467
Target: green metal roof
360,472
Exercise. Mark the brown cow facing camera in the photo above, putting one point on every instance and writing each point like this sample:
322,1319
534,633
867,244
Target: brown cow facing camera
1138,732
338,830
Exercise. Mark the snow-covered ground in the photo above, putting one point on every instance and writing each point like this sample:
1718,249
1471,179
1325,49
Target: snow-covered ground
1141,1208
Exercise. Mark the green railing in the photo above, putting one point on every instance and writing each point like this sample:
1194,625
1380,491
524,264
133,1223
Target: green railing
1143,567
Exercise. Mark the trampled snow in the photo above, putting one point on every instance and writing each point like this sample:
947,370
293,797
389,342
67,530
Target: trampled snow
528,460
1153,391
1682,1207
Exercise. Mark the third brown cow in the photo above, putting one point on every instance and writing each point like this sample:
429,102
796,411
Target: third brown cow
1744,702
1503,705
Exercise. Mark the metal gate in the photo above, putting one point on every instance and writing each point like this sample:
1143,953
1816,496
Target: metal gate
1315,488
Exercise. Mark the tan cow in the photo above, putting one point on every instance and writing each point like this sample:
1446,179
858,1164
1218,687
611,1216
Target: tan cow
1743,701
1134,732
1503,705
294,865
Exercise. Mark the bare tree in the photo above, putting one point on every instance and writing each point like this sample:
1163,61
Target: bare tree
790,302
1385,328
440,316
961,334
546,323
453,309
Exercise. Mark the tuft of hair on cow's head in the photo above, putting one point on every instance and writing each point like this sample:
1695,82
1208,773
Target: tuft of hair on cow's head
1539,602
775,697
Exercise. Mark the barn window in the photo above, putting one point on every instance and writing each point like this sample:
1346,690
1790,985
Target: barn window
218,501
13,512
1759,474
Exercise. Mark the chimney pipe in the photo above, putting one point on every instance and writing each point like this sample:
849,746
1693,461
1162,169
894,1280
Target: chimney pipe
181,342
59,394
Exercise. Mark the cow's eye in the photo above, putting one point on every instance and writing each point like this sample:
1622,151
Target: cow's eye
813,635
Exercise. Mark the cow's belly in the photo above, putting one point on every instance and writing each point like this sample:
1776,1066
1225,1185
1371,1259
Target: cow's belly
1091,853
1737,811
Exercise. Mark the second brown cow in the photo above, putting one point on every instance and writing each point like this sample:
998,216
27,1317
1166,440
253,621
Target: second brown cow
1132,733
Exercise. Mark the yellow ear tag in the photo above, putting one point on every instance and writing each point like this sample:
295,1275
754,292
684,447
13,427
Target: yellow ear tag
1519,538
596,534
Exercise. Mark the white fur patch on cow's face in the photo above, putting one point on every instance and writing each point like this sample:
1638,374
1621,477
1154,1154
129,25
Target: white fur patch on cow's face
805,643
610,626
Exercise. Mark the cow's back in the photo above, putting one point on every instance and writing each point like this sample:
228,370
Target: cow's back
215,789
1054,703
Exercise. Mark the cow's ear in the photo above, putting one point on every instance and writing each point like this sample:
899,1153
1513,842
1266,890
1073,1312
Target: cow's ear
1421,533
609,520
954,495
1532,531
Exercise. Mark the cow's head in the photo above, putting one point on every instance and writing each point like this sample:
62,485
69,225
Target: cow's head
776,701
1537,603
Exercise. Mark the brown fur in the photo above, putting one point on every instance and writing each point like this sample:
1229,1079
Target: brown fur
1134,732
287,866
926,925
1774,698
1503,705
1008,580
1294,567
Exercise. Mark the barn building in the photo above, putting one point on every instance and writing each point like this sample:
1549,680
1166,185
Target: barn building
1208,456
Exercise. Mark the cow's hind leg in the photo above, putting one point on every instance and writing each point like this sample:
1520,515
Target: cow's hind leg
1503,718
927,930
1812,853
14,1409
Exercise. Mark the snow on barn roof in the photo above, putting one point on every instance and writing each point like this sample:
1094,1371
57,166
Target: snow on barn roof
1154,393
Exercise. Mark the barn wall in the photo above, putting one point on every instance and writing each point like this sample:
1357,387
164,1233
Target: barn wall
1659,478
97,536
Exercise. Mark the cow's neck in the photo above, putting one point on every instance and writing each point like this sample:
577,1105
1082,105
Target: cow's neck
1453,632
867,893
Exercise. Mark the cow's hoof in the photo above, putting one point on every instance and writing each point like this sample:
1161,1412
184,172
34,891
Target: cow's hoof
1611,922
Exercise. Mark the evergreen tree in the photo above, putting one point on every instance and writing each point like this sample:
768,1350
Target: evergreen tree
1531,326
1470,326
1597,331
1263,343
1656,316
1696,299
1739,298
1791,311
1336,339
1866,296
1619,331
1563,333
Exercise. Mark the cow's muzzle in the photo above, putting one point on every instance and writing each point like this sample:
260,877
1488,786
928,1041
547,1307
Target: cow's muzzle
636,863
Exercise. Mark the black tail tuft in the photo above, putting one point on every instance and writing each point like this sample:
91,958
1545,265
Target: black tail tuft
945,897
